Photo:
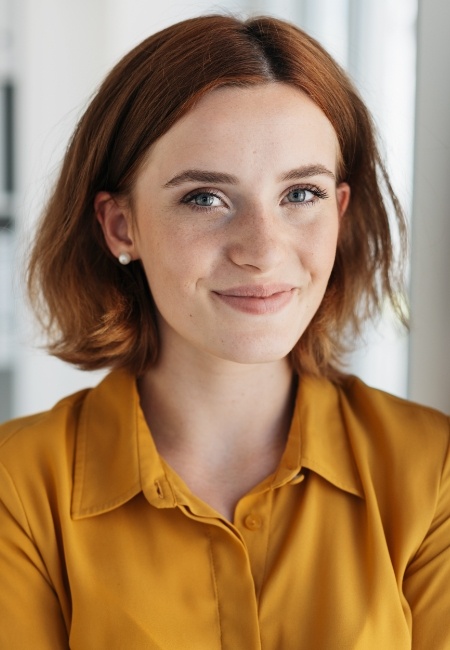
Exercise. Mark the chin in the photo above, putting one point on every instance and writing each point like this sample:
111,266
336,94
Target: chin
255,352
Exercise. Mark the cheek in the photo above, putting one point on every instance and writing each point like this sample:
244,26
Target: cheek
318,247
171,263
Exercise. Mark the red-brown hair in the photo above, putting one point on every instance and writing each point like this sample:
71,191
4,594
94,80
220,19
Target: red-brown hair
99,314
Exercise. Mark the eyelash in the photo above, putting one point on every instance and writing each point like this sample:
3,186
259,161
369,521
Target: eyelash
314,189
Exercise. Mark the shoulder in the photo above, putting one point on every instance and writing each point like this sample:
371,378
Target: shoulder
43,430
37,455
401,450
372,420
57,427
61,453
383,415
381,440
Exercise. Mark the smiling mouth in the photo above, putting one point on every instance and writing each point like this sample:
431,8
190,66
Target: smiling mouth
257,299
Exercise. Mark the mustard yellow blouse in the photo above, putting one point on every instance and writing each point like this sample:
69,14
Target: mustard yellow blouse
346,546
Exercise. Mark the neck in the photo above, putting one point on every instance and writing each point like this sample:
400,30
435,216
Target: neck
203,397
211,417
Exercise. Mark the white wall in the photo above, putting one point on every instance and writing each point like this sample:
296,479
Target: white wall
382,62
61,59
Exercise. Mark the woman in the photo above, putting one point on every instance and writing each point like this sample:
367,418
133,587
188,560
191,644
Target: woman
217,234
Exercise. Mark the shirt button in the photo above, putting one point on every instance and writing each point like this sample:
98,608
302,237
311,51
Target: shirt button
253,522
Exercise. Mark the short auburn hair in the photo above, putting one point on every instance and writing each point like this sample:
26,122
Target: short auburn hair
99,314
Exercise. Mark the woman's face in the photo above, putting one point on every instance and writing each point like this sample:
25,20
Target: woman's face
235,218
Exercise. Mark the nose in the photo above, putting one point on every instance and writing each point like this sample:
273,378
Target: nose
257,238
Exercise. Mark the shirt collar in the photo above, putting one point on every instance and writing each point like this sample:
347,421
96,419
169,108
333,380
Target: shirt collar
324,436
116,458
115,455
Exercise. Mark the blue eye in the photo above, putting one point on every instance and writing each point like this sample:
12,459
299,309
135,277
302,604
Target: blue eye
204,199
299,196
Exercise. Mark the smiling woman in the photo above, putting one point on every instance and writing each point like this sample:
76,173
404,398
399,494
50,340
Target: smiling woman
114,322
218,231
259,239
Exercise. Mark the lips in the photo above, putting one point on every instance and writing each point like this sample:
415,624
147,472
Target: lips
257,299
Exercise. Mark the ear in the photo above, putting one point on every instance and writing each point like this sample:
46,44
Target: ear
343,198
114,217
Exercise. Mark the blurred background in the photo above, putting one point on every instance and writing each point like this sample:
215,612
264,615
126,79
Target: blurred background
54,54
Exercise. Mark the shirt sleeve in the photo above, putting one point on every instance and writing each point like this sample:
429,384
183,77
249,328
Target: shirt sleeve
30,614
427,579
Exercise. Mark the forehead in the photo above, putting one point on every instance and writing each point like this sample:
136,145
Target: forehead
275,122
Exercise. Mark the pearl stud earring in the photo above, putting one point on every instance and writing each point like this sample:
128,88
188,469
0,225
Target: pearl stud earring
124,258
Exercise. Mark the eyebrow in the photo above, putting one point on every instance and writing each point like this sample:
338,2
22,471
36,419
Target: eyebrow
202,176
308,170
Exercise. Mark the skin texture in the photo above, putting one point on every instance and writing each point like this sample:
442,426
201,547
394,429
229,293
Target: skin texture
238,259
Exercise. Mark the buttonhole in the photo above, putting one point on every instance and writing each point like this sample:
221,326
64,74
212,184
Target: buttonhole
159,491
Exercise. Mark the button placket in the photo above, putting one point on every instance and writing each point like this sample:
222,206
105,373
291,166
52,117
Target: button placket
252,518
